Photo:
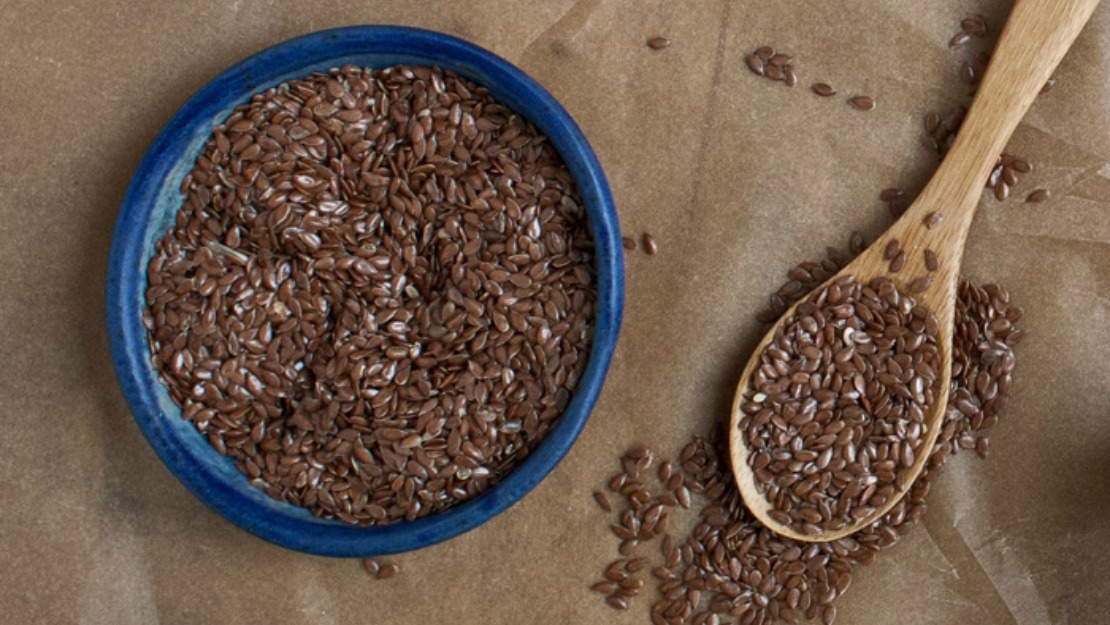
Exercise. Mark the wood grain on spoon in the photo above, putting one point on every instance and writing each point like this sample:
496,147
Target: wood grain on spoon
1036,37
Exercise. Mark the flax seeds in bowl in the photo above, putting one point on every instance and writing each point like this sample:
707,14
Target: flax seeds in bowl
380,297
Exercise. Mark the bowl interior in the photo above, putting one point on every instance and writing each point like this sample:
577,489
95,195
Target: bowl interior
153,199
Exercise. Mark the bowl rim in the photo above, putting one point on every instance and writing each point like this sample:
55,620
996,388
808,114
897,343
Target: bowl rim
126,283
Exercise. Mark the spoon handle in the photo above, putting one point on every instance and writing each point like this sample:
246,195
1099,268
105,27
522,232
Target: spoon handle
1035,39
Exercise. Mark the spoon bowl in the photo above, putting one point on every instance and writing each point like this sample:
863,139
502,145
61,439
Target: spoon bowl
1036,37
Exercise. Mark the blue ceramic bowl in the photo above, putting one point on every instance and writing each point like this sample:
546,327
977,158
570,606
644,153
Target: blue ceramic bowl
148,211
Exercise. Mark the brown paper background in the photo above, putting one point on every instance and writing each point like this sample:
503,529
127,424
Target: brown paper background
737,177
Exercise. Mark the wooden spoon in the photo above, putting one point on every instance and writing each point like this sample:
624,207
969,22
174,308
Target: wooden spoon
1036,37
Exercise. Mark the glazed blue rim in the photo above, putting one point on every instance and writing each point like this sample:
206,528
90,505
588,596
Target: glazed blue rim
153,198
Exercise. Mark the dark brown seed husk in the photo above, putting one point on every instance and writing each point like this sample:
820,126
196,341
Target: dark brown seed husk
1001,191
823,89
755,64
650,246
862,102
982,447
931,262
371,566
790,78
602,501
388,571
1022,166
1038,195
890,194
764,53
1048,85
629,243
897,262
920,284
967,74
658,43
892,249
974,25
617,602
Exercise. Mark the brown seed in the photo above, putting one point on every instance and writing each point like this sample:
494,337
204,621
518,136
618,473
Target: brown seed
823,89
789,76
388,571
897,262
891,194
959,40
1037,196
617,602
1001,191
862,102
975,25
931,262
602,501
920,284
982,447
755,64
967,73
650,246
371,566
764,53
629,243
658,43
932,220
892,249
1048,86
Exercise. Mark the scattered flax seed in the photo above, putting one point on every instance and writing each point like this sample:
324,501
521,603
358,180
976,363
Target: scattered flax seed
1048,86
975,25
823,89
755,64
602,501
931,262
772,65
892,249
967,74
789,77
862,102
932,220
658,43
959,40
920,284
388,571
730,564
1001,191
1038,196
629,243
897,262
617,602
890,194
371,566
650,246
